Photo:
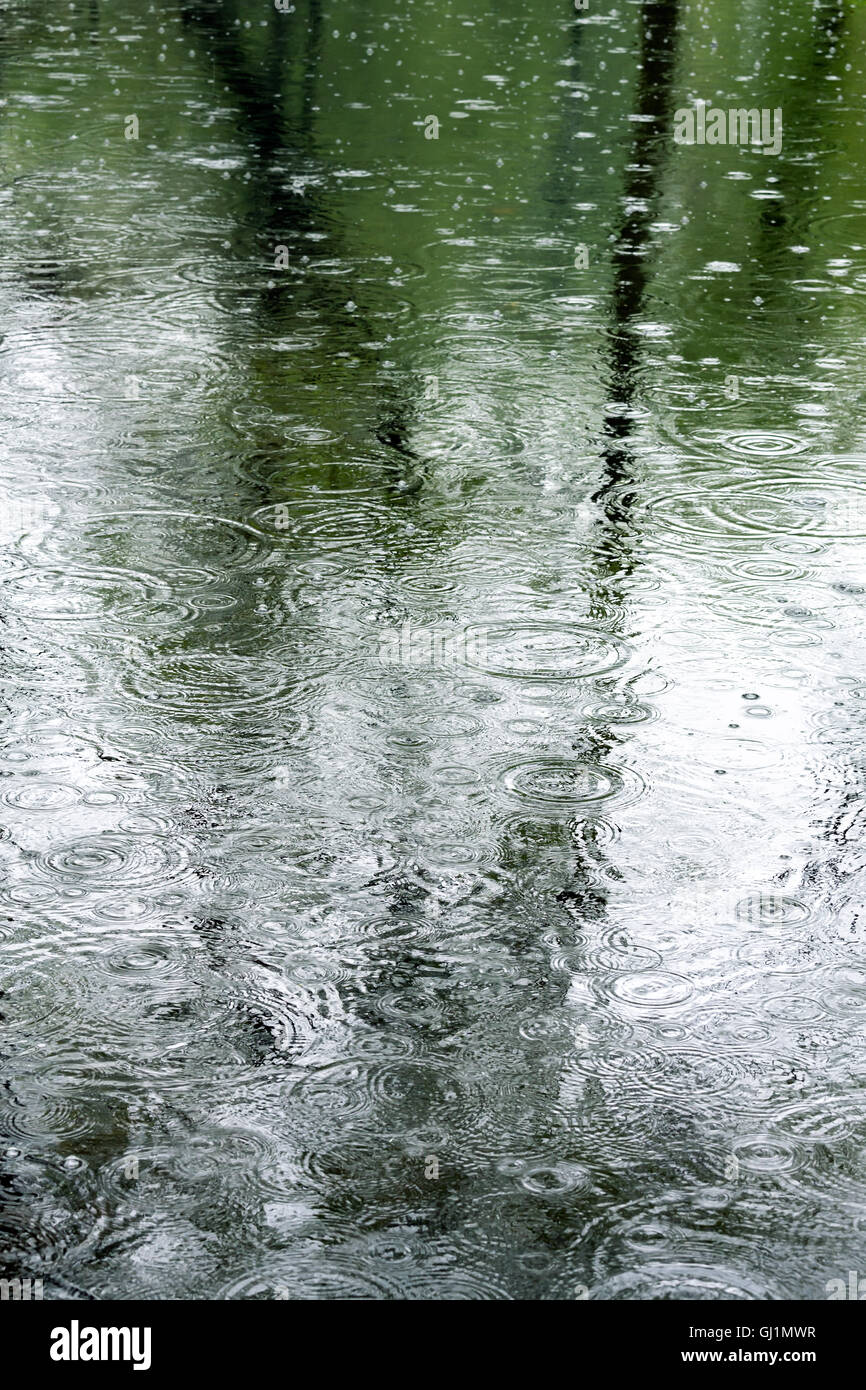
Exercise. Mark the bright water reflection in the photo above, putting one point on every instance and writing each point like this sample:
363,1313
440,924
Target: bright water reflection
344,955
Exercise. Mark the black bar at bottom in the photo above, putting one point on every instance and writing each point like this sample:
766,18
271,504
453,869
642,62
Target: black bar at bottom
85,1339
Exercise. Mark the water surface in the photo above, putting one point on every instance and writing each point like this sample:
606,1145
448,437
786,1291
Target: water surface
432,651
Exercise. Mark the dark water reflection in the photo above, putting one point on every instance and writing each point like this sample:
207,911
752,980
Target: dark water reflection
530,966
